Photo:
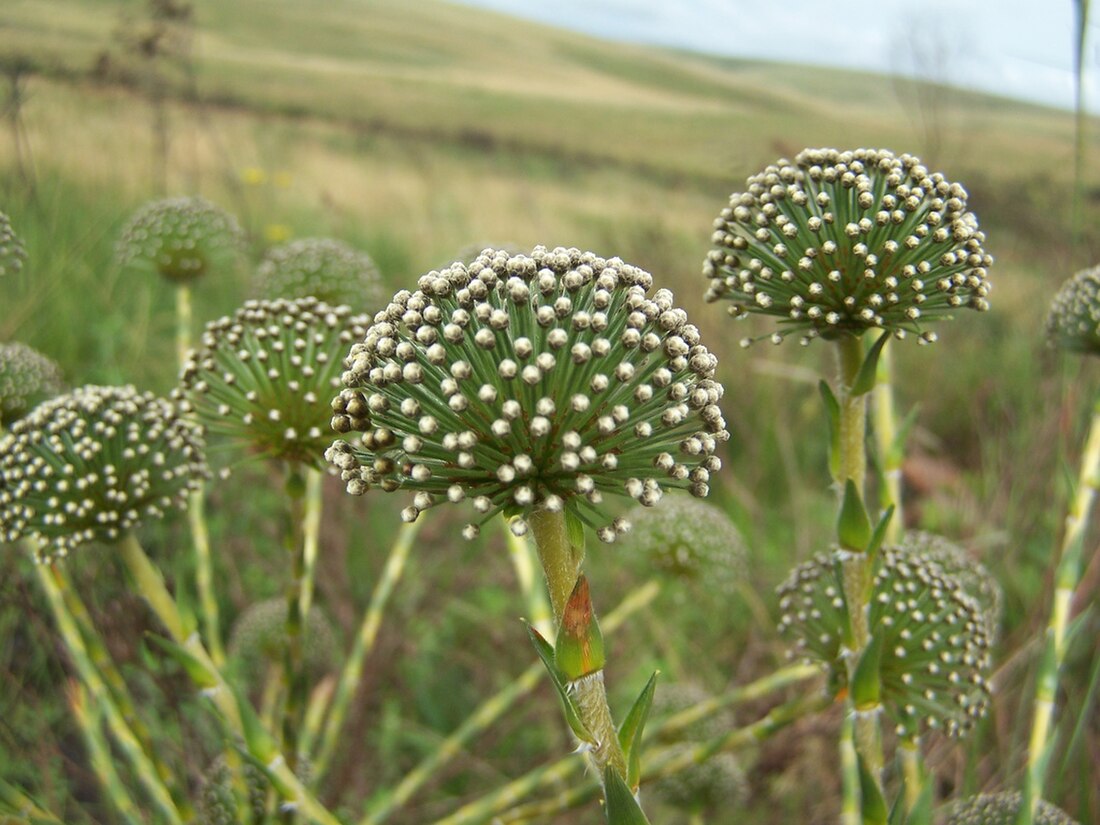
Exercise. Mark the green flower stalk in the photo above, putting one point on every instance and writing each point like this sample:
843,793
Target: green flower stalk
1002,809
533,386
12,253
845,242
181,239
263,376
933,637
27,377
93,464
326,269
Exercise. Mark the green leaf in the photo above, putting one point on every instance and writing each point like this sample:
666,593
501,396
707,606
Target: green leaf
854,527
868,370
879,534
195,668
622,807
832,410
546,653
866,683
630,732
261,745
874,805
897,447
921,814
575,530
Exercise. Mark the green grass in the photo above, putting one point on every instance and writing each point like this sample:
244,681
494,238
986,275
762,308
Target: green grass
415,129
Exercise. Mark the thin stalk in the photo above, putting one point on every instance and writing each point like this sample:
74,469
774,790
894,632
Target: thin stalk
142,765
851,795
1065,582
856,565
912,771
13,801
492,804
490,711
293,673
150,584
99,752
119,692
311,531
196,506
537,608
364,642
886,434
1080,120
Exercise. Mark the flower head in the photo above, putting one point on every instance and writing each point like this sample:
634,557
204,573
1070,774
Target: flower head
935,652
842,242
12,253
976,581
181,239
1002,809
528,382
329,270
258,640
1074,319
94,463
264,375
688,539
27,377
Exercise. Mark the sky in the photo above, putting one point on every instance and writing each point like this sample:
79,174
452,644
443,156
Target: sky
1014,48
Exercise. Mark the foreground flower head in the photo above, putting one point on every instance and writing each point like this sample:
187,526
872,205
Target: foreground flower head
326,269
975,580
690,540
1074,319
93,464
528,382
12,253
1002,809
936,647
264,375
842,242
27,377
181,239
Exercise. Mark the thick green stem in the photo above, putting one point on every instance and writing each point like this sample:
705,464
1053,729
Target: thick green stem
150,584
849,775
561,561
311,539
294,676
889,453
1065,583
912,772
362,646
538,610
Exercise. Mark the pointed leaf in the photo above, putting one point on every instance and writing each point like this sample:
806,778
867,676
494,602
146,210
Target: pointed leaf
259,741
868,370
866,683
832,411
879,534
874,806
622,807
195,668
579,649
630,732
546,653
854,527
897,447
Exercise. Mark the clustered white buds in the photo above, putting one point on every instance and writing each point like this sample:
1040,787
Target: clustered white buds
326,269
27,377
841,242
527,382
93,464
1074,319
12,253
1002,809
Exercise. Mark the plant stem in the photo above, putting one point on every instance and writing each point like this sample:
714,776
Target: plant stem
294,677
362,646
912,771
849,774
490,711
1065,582
78,652
889,453
561,561
100,753
260,744
537,608
311,530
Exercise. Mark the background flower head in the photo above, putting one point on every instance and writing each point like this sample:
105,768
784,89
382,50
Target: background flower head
1073,322
326,269
27,377
12,253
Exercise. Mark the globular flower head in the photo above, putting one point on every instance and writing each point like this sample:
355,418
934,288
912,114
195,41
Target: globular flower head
936,646
719,780
218,803
181,239
258,640
975,579
12,253
93,464
1002,809
841,242
1074,319
688,539
530,382
326,269
264,376
27,377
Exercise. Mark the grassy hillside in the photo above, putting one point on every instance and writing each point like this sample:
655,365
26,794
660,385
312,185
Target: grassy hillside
414,129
